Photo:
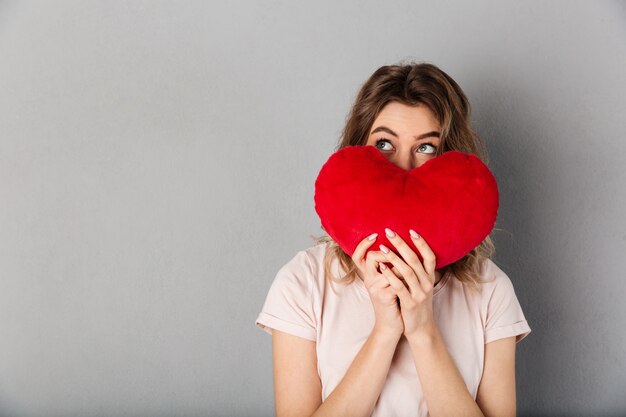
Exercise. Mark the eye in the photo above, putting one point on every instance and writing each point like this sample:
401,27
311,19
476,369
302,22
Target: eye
423,148
427,148
379,141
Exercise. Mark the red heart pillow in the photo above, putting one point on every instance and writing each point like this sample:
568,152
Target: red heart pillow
451,201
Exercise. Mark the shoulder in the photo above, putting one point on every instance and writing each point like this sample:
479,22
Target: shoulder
308,260
316,257
493,278
305,268
292,304
495,286
502,311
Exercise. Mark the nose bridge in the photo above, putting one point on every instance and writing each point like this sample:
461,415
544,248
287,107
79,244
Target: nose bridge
405,160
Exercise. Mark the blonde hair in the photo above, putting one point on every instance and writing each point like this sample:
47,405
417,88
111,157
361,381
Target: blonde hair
414,84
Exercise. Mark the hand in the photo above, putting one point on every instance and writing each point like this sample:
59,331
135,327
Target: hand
382,295
416,297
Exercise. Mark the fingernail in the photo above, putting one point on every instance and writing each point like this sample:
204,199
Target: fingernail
383,266
389,232
372,236
384,248
414,234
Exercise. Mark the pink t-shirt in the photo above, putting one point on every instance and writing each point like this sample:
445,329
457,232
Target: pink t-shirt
301,302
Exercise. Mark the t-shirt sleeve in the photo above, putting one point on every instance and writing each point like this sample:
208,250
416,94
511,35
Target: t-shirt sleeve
289,303
505,317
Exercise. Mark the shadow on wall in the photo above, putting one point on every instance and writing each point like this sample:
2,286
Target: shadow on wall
502,120
547,198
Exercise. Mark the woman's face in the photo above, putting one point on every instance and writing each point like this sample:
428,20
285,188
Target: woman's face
407,135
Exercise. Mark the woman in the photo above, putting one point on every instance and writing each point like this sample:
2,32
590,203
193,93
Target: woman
409,340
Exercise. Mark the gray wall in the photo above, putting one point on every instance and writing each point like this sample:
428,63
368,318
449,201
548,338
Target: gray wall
157,161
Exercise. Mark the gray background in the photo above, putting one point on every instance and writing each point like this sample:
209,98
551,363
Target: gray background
157,161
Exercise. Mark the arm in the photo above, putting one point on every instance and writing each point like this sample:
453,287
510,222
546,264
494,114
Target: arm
444,389
496,392
298,388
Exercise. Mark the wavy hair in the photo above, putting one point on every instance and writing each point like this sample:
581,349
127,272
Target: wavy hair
414,84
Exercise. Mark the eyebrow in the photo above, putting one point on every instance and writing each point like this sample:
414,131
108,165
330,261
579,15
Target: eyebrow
391,132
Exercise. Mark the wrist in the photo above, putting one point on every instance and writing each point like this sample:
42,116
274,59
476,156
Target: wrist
385,333
424,336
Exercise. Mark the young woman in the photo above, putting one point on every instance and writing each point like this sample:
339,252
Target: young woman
342,343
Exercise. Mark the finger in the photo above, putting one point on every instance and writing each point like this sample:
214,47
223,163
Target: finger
377,281
360,252
376,257
417,277
371,267
405,271
427,253
400,288
408,255
361,248
397,272
380,283
373,258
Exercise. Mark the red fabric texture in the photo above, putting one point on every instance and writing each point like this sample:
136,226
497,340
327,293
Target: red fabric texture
450,200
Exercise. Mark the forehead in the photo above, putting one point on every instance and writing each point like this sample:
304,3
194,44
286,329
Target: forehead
403,114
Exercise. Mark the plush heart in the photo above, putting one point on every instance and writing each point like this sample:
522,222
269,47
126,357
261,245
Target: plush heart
451,201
